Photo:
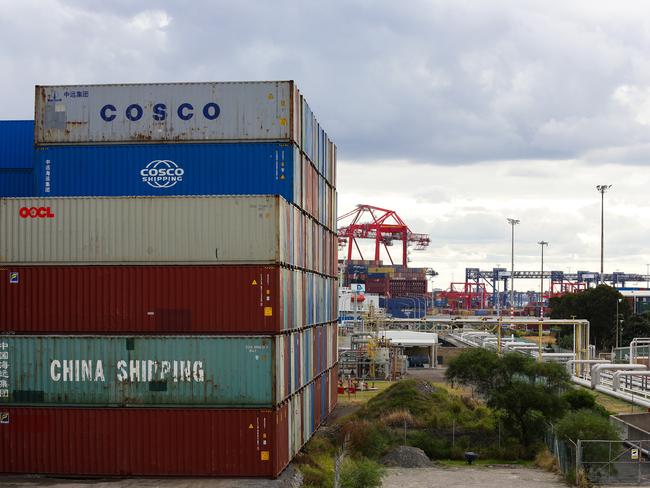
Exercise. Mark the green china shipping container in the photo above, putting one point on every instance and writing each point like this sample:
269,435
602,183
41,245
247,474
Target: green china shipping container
242,371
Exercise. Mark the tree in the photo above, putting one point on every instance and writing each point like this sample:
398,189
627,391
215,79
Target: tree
635,326
598,306
524,390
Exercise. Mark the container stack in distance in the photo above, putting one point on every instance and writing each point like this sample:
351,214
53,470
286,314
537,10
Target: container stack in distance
169,279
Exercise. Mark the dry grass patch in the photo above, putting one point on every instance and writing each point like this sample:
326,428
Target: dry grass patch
398,418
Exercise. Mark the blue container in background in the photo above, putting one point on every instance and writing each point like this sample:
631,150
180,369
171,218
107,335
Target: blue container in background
169,169
17,182
16,144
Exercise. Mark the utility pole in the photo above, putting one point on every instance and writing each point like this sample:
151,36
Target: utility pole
647,276
512,222
602,189
541,288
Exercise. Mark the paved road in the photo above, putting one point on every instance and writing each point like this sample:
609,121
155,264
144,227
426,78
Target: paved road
469,477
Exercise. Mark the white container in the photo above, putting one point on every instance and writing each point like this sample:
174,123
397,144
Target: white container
172,112
148,230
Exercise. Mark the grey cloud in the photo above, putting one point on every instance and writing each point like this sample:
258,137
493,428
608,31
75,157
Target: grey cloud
433,82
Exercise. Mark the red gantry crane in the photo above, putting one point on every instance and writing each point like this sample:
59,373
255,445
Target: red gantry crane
382,225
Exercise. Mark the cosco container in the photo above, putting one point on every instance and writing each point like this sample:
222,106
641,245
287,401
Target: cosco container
161,441
163,299
163,230
183,112
163,370
16,144
186,169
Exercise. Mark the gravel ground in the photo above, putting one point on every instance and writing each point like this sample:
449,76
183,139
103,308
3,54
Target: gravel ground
483,477
287,480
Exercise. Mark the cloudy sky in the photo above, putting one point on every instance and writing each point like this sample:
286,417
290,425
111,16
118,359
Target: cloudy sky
457,114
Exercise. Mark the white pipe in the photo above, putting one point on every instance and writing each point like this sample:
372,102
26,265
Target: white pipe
572,362
603,389
597,368
628,397
616,377
581,381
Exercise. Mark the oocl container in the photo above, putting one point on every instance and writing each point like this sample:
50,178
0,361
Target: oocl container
248,371
185,169
159,441
182,112
163,299
163,230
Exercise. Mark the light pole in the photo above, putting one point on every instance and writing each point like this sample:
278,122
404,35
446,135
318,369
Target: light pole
541,288
512,222
602,189
647,276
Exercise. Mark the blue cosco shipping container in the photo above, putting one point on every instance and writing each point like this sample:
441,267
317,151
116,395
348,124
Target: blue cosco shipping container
183,170
169,169
16,144
17,182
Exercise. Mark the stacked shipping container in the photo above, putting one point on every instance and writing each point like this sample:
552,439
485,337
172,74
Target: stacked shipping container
180,258
17,158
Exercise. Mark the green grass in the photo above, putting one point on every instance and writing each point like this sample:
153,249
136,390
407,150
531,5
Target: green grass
362,397
613,404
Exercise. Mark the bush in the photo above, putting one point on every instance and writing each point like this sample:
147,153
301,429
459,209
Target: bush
316,477
434,447
398,418
361,473
584,425
369,439
578,399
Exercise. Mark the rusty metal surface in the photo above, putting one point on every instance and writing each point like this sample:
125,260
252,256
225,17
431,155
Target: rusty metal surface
164,112
163,299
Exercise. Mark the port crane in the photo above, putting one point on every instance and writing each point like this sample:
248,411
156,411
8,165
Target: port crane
381,225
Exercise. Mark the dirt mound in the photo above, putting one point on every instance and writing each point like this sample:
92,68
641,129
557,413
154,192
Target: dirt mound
407,457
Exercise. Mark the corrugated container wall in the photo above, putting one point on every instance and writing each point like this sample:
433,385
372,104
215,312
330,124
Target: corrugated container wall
220,371
16,144
182,112
179,230
160,441
18,182
163,299
186,169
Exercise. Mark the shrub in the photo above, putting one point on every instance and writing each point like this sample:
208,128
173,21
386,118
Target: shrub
434,447
361,473
398,418
369,439
584,425
578,398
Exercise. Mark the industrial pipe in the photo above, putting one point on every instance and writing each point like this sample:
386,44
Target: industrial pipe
616,377
597,368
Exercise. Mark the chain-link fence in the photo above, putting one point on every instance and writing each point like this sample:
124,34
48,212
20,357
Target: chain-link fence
563,451
617,462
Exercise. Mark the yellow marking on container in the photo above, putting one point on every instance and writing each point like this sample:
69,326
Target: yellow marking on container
282,177
265,455
282,121
268,311
268,292
263,436
254,283
270,96
251,426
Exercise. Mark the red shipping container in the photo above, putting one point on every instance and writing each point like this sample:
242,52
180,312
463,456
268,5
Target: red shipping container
144,441
142,299
161,441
